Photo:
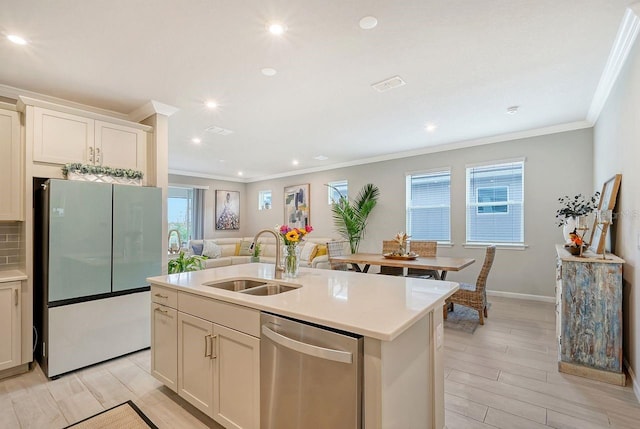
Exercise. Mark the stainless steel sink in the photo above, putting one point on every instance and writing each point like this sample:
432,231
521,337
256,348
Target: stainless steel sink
269,289
236,285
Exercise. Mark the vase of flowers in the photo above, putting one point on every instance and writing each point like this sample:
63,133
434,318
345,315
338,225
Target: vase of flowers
401,239
291,237
573,208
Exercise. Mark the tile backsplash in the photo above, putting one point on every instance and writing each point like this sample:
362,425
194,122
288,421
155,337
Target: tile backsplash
11,246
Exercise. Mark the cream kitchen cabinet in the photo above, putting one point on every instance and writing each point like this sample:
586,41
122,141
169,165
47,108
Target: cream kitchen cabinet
217,350
10,328
11,165
164,336
60,138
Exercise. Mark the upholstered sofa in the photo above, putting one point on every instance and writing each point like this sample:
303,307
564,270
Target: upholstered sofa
232,251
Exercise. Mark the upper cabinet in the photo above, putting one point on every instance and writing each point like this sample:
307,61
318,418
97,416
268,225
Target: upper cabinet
10,166
61,138
58,134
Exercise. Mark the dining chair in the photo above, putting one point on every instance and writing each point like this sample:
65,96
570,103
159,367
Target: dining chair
336,248
389,246
474,296
424,249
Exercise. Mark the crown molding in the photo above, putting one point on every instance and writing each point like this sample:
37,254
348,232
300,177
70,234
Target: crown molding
152,107
627,33
206,176
554,129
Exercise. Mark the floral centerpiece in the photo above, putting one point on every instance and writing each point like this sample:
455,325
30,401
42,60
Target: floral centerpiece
291,237
401,239
572,209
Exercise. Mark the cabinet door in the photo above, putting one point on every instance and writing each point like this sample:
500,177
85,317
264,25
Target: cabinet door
119,146
9,325
61,138
164,345
195,364
236,395
10,166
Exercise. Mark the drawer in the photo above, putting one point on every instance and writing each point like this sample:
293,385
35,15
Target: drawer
232,316
164,296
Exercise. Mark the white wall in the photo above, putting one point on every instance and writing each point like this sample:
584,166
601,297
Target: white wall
556,165
617,150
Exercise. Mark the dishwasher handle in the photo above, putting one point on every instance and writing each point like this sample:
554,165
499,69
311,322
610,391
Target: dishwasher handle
308,349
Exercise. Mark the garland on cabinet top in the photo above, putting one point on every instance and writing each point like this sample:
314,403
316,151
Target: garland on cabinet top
99,169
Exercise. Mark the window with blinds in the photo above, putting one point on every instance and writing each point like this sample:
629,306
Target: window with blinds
429,206
495,196
340,187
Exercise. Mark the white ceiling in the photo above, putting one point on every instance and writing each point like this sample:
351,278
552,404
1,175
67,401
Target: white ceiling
464,62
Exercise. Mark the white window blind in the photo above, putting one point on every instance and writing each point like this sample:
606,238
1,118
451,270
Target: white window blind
336,188
429,206
495,196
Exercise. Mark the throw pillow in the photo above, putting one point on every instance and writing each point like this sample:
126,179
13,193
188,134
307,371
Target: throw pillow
211,249
321,249
245,249
237,251
196,249
308,252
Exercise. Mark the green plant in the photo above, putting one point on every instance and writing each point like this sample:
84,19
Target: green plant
99,169
576,206
185,263
257,249
350,217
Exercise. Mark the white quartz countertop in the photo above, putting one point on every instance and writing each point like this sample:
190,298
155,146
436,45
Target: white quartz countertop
372,305
12,276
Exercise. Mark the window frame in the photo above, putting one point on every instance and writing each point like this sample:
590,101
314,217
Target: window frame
337,184
261,202
492,203
408,207
518,245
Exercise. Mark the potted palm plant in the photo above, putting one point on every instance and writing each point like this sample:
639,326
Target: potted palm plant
350,217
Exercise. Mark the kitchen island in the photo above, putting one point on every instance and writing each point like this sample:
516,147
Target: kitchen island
400,320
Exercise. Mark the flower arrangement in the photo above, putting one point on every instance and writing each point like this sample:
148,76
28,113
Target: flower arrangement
291,237
99,169
401,239
576,206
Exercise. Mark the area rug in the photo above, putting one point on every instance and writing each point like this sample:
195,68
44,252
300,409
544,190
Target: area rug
123,416
463,318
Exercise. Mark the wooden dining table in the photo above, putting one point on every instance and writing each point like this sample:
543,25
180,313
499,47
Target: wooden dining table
440,265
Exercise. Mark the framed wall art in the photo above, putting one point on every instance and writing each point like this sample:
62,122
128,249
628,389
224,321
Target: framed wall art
296,206
227,210
607,202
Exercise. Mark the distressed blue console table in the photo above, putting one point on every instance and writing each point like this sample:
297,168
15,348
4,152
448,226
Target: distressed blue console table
589,316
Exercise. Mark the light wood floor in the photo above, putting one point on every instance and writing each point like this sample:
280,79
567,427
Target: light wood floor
504,376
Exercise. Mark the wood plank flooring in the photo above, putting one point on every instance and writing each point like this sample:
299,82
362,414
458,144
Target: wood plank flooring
503,376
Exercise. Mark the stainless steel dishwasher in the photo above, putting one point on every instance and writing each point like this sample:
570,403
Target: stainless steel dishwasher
310,376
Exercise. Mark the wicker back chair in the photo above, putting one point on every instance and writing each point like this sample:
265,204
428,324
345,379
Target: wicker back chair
474,296
336,248
389,246
425,249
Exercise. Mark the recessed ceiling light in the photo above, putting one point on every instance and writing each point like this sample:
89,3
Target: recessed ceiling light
295,162
239,173
430,127
512,110
320,158
16,39
276,28
196,140
211,104
368,22
267,71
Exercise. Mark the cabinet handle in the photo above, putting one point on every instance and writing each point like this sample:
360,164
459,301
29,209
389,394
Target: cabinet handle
214,337
162,311
98,157
91,154
207,343
16,296
161,296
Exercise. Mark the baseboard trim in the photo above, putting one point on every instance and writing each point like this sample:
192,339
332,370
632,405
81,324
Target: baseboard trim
20,369
634,380
525,296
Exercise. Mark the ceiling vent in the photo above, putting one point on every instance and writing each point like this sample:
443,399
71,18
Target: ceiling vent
389,84
217,130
